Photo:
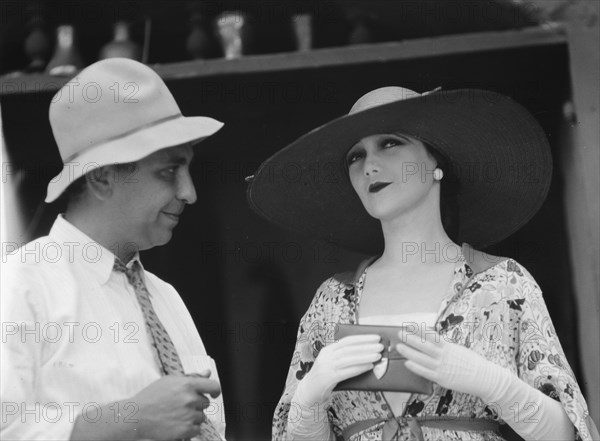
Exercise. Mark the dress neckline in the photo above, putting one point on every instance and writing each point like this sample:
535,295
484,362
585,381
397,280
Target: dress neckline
449,294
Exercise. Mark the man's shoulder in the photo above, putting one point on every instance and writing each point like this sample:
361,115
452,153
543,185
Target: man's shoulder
39,255
158,283
36,273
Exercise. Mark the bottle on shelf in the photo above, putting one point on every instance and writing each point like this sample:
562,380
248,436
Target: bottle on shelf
236,34
121,44
66,59
38,45
302,24
200,43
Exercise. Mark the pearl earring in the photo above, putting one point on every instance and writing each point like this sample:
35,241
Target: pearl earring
438,174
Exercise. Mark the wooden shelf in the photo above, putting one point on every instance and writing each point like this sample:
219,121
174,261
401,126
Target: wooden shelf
320,58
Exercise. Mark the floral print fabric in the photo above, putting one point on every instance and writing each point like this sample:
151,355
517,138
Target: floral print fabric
500,314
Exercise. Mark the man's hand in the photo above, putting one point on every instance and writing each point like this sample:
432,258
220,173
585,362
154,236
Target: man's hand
170,408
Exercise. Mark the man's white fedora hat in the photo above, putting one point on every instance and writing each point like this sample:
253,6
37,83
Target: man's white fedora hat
116,111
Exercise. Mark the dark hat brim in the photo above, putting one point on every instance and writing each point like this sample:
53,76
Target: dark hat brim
496,149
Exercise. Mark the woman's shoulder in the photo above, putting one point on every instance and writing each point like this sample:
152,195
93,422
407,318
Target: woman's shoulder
508,267
341,284
332,300
335,286
509,276
350,278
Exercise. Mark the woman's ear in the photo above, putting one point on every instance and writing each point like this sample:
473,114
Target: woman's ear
101,182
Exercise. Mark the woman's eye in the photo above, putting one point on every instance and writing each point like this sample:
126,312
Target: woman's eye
353,157
391,142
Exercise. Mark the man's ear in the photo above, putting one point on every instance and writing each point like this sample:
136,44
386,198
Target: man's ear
101,182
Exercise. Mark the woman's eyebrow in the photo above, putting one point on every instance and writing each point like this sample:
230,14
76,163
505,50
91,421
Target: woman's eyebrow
353,149
401,136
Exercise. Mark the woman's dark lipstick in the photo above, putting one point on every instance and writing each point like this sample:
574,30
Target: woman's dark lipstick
377,186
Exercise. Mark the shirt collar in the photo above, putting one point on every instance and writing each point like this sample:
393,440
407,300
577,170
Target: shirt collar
85,251
135,258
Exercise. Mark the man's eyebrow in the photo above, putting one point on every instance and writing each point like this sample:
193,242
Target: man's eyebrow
178,158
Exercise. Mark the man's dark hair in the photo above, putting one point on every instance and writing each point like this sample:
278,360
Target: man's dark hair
76,190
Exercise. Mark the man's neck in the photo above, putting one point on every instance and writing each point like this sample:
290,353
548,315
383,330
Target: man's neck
93,226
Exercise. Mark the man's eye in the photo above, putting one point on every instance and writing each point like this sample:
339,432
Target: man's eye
169,172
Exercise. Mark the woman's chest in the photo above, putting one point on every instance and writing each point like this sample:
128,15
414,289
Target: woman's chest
404,293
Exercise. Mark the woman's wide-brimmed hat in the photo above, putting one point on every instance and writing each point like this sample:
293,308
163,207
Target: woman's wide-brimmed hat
116,111
495,148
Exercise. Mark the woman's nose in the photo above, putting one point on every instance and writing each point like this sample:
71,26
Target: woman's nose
371,165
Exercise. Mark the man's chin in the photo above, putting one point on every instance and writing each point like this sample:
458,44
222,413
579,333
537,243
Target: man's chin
164,238
157,240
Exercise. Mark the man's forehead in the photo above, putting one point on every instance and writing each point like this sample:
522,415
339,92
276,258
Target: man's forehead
181,154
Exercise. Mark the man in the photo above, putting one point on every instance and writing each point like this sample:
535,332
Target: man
93,345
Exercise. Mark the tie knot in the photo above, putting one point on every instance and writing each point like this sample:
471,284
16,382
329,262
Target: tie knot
120,267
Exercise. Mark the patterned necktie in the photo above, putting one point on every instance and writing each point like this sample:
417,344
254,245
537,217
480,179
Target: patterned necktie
164,349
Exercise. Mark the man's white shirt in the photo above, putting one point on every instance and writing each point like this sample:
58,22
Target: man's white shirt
74,337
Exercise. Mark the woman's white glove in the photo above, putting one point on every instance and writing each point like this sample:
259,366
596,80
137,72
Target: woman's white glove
448,364
346,358
528,411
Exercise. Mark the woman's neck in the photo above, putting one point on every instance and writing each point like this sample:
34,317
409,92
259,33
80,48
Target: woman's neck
412,240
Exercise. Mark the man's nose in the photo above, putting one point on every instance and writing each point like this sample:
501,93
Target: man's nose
186,190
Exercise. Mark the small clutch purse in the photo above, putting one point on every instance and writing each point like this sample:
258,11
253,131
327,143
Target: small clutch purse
390,373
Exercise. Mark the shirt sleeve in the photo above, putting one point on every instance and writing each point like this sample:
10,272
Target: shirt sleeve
311,337
23,318
540,359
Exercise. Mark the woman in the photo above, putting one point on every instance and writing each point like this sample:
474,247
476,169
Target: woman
433,173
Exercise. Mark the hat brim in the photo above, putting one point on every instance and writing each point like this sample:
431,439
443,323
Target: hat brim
496,149
133,147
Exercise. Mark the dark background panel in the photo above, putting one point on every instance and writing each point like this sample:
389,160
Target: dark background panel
247,282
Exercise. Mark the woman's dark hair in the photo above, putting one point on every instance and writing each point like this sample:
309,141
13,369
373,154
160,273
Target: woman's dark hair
449,188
